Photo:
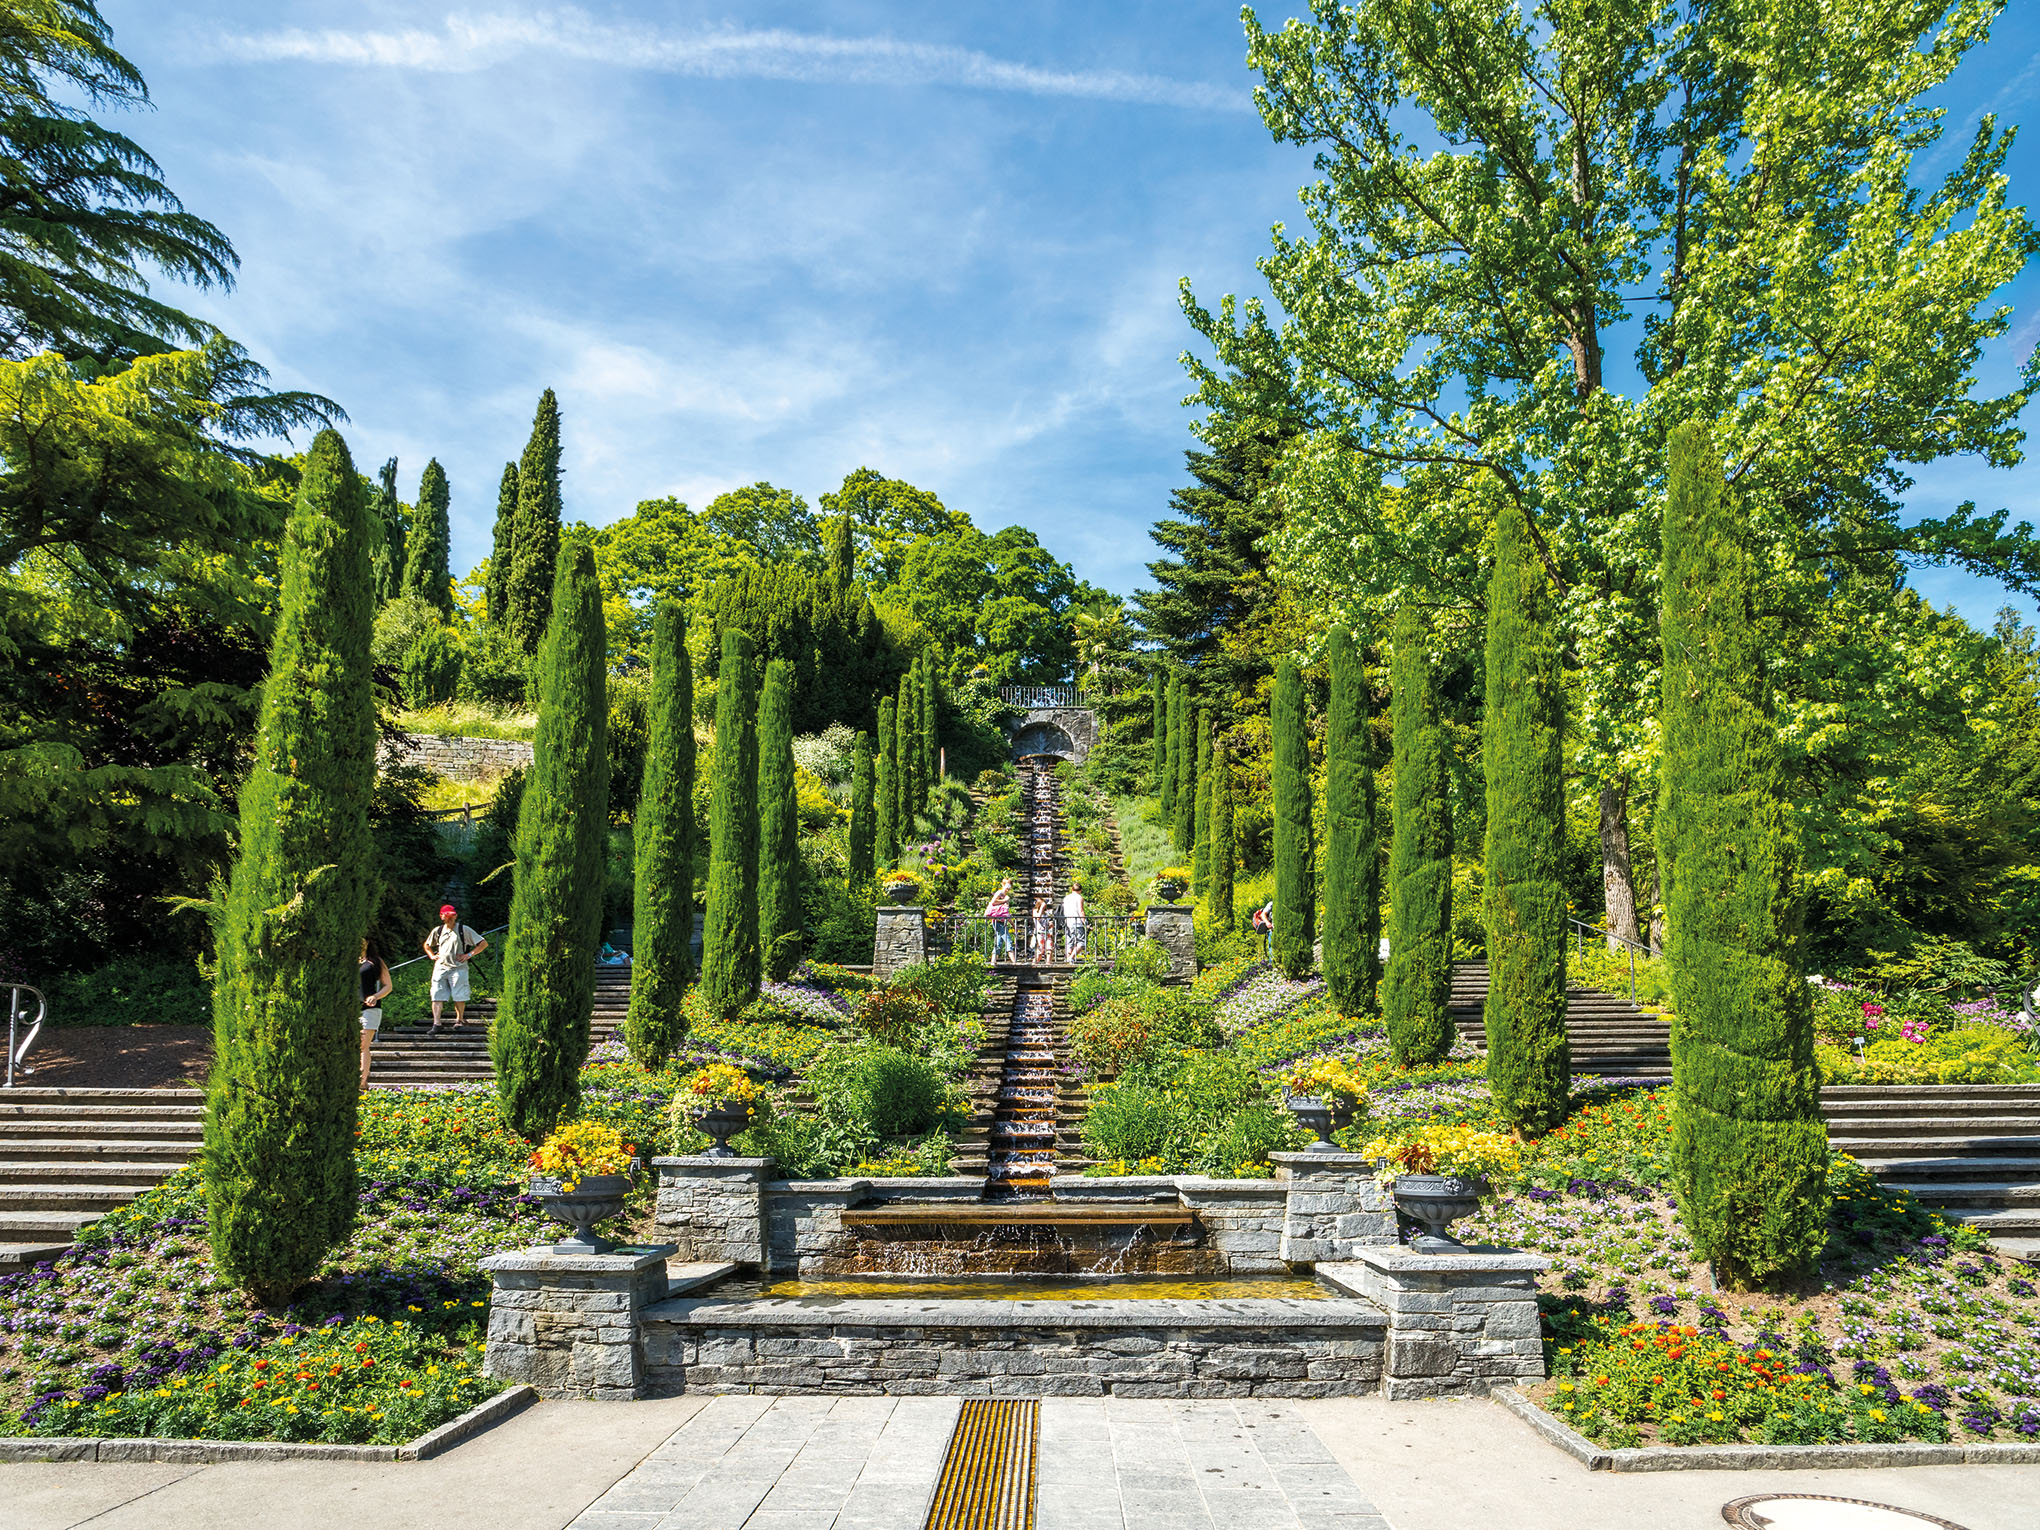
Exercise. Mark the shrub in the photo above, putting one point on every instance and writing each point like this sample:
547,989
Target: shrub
1130,1121
894,1016
431,667
1145,961
131,990
1121,1033
955,985
889,1090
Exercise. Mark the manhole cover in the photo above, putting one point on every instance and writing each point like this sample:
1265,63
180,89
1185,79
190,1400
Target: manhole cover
1810,1511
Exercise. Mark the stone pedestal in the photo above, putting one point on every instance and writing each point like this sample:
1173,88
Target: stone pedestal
902,938
1169,926
714,1208
1457,1323
1335,1206
567,1324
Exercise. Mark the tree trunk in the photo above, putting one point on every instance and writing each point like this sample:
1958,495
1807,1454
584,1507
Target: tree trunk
1618,879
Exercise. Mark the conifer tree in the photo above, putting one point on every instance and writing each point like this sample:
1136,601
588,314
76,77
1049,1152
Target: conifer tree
886,789
503,549
730,958
1201,816
931,751
426,570
540,1037
842,554
1352,941
280,1104
662,961
1218,885
1748,1145
1172,766
863,813
778,826
1417,995
537,536
386,534
1158,775
1529,1064
907,754
1183,816
1295,885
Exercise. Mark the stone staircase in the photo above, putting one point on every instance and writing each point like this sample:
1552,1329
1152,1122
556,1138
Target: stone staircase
68,1156
411,1057
1610,1036
1970,1150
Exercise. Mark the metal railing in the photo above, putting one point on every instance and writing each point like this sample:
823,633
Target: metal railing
1036,696
17,1011
1582,932
408,961
1100,941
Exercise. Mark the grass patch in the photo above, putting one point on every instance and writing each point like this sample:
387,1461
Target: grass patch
461,719
1143,841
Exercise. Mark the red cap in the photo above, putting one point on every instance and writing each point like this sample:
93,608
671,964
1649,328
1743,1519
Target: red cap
447,908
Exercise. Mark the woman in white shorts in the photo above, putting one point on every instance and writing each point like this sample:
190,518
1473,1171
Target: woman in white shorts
375,987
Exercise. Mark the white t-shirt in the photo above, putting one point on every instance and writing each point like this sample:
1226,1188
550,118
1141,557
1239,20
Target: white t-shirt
1073,904
445,947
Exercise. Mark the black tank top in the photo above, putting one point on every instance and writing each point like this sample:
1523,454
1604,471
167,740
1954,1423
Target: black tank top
371,978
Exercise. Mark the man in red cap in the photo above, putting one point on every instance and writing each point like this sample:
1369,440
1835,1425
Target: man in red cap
451,945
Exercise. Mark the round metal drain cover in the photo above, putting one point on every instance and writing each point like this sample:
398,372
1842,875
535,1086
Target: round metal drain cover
1811,1511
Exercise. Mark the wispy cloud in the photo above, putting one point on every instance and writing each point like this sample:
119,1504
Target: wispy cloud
470,42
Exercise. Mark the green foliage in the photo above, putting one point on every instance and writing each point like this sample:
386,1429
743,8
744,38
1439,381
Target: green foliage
630,722
730,960
892,1091
863,813
1295,883
431,668
1158,778
1217,845
1195,1113
540,1036
1200,857
886,843
907,755
426,573
502,550
535,542
130,990
492,863
494,671
1151,1022
1417,995
1523,753
953,985
1172,759
840,650
662,958
279,1125
1749,1144
778,827
1352,937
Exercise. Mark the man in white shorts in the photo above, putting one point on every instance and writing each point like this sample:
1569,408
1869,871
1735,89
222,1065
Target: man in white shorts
1073,920
451,945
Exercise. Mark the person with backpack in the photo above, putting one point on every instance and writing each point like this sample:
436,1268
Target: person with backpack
451,945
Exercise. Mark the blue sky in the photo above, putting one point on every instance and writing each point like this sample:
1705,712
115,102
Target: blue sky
776,241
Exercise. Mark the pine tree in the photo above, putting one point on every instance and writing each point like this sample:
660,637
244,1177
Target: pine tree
1201,816
1295,885
1352,878
1218,885
503,550
1417,995
1159,772
863,813
730,957
540,1037
662,961
537,538
886,790
1529,1065
280,1106
778,827
842,554
426,568
1748,1145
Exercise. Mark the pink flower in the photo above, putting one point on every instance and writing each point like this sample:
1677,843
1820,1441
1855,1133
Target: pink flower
1870,1021
1872,1010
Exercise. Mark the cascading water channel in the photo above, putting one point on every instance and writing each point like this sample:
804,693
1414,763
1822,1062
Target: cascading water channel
1024,1130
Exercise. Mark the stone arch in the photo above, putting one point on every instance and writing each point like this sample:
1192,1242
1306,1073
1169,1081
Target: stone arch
1044,738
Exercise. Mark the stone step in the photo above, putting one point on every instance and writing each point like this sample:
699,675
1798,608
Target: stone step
71,1096
78,1171
43,1226
85,1148
1853,1125
157,1131
16,1110
1872,1151
90,1198
17,1256
1980,1166
1979,1193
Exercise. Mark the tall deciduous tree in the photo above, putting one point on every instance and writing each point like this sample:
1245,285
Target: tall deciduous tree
887,786
540,1036
1295,882
778,826
1352,879
1417,995
426,568
280,1104
662,958
730,968
863,812
1748,1143
1529,1064
536,546
1218,842
503,548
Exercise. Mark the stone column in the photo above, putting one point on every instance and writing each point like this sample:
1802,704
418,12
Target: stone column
1170,926
902,938
714,1208
1457,1323
568,1323
1336,1206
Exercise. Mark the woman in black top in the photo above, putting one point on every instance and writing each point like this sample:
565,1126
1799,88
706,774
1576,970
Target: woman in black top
375,986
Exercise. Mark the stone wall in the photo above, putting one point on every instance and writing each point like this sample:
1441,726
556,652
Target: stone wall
713,1209
902,938
457,759
1068,731
570,1324
1172,927
1458,1323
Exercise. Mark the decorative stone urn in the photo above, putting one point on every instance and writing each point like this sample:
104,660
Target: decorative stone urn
1169,889
722,1121
1321,1116
593,1198
902,892
1437,1201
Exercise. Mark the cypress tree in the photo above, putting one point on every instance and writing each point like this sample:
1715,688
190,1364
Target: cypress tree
280,1108
503,549
1172,762
886,790
1352,878
1417,995
1218,844
729,957
778,826
540,1037
1529,1064
907,756
930,749
1201,817
662,963
863,812
842,553
1295,889
1748,1145
426,570
537,536
1159,771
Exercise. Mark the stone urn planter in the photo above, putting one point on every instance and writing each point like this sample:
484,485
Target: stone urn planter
593,1198
1169,889
901,893
1321,1116
1437,1201
722,1121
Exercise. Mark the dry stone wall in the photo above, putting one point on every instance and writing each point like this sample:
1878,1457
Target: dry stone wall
457,759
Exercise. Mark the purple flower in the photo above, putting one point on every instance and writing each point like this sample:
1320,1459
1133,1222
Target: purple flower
1664,1306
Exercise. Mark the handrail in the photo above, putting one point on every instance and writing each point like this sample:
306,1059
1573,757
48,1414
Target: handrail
1033,696
411,960
16,1052
1584,929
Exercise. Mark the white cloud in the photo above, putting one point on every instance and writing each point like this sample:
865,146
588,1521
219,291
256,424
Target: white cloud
467,43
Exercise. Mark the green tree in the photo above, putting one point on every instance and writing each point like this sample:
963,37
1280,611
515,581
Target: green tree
1748,1143
907,756
1417,994
730,957
426,570
280,1103
863,813
1172,763
1218,888
387,530
1295,884
931,746
842,553
431,666
778,827
502,549
1352,948
1201,814
775,525
662,960
1529,1063
536,544
540,1036
887,788
1159,779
